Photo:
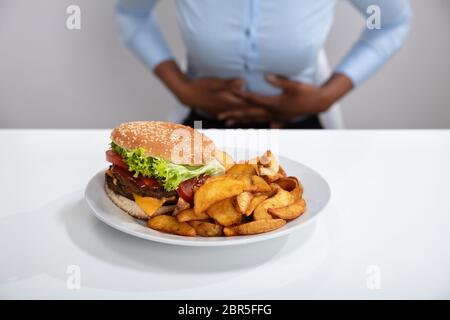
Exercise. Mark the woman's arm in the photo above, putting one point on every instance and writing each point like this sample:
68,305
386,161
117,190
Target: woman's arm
376,46
212,95
140,31
370,52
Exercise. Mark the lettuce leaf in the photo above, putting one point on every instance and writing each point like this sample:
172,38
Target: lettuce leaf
136,160
169,174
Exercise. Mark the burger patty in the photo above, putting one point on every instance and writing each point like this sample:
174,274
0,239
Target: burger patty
127,188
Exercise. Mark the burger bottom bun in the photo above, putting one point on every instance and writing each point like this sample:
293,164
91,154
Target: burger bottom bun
131,207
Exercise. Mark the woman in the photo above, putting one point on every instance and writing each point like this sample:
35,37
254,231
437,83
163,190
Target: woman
254,63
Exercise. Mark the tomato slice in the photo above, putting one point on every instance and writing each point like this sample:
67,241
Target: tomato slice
123,172
186,188
149,182
115,159
201,180
141,182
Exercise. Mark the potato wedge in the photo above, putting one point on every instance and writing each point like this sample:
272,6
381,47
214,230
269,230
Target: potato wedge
260,185
259,226
287,183
292,211
247,181
230,231
253,183
274,188
268,160
170,224
297,193
224,158
242,169
214,190
224,213
189,215
242,201
181,205
264,159
206,229
282,198
292,185
256,200
263,171
268,174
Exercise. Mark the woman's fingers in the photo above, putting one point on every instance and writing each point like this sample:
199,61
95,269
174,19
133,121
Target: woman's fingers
231,99
230,114
235,84
281,82
269,102
223,90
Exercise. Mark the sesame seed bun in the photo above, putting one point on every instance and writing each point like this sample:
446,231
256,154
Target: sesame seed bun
174,142
132,208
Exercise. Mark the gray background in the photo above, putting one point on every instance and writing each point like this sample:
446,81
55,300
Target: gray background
53,77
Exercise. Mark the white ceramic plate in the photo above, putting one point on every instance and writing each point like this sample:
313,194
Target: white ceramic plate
316,193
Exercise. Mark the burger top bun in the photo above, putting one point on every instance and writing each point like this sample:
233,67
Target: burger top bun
174,142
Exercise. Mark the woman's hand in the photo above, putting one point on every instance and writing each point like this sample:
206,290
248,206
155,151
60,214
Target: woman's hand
212,95
296,99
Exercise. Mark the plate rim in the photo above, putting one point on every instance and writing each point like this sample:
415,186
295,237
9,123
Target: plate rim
196,241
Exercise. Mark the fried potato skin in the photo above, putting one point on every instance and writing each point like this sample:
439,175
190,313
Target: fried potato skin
251,197
292,185
207,229
242,169
256,200
281,199
260,185
242,201
253,183
181,205
216,189
189,215
292,211
247,181
260,226
224,213
297,193
170,224
230,231
287,183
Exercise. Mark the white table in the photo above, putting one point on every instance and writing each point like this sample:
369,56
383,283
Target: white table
385,234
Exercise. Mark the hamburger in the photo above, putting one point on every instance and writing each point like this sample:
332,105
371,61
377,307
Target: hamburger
156,166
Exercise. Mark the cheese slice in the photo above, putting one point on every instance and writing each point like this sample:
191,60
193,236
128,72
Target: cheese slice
150,205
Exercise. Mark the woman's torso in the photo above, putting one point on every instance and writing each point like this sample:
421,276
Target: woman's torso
251,38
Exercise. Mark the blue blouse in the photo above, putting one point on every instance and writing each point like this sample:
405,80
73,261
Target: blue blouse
252,38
